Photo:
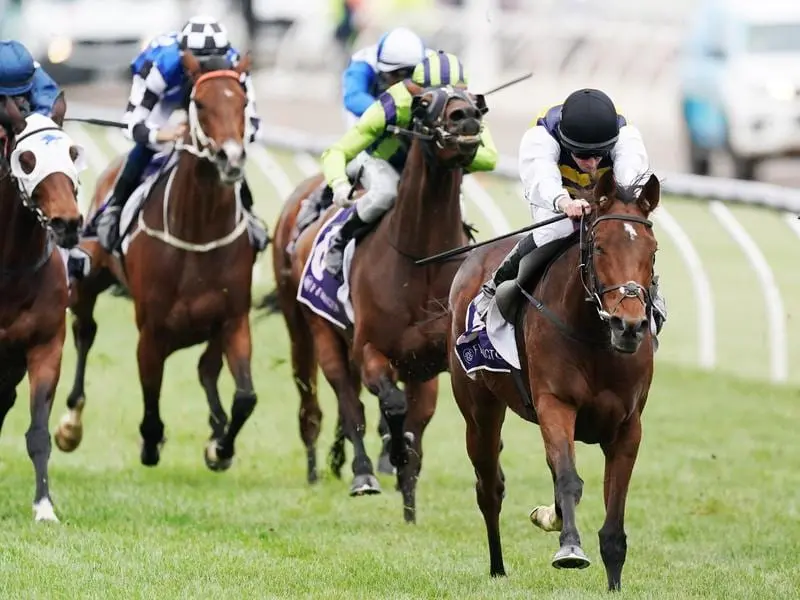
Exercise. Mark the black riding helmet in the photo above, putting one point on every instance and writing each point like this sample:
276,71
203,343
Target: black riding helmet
589,125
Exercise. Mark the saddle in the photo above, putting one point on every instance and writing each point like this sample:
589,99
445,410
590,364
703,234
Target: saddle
533,266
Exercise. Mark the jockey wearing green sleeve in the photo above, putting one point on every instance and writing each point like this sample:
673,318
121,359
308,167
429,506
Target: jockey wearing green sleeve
369,146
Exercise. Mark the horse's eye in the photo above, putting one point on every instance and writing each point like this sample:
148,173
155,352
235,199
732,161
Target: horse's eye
199,105
599,249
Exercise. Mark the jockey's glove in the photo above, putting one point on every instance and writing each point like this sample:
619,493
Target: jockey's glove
341,194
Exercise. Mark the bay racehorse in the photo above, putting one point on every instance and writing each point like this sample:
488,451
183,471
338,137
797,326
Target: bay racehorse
39,167
400,323
304,359
188,268
585,368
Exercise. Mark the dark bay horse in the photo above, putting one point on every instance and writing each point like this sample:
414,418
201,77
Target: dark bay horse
38,210
401,322
586,359
188,269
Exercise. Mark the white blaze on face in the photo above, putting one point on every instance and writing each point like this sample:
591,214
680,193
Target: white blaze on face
630,231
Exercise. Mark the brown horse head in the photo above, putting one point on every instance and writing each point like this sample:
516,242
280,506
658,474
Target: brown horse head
45,164
217,116
451,117
619,254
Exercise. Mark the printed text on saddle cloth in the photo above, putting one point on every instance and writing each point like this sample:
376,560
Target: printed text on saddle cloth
319,290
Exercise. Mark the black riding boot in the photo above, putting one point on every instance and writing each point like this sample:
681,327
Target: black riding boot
507,270
335,255
259,235
108,233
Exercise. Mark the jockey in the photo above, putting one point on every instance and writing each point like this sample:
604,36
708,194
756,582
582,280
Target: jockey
569,147
370,147
24,80
160,86
372,70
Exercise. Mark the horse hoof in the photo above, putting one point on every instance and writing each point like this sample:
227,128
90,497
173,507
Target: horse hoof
69,432
570,557
44,511
365,485
151,453
68,435
546,518
213,461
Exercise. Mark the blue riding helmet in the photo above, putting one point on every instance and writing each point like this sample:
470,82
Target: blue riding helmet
17,69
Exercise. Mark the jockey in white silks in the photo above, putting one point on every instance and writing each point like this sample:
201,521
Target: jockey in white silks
568,149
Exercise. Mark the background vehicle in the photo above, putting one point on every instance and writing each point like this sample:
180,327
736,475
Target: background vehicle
739,83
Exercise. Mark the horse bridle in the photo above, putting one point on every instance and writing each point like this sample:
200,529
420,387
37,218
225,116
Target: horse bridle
595,289
202,146
27,201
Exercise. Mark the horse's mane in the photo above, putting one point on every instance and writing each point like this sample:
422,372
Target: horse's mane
627,194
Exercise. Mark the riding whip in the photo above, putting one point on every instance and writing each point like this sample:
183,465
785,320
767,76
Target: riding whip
101,122
464,249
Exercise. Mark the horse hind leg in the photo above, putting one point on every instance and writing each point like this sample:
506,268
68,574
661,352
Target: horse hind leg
304,368
620,459
69,433
384,460
557,424
208,369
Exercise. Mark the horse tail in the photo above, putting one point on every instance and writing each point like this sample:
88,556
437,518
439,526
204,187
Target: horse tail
270,303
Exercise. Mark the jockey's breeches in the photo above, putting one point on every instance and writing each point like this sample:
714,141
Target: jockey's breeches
553,231
380,181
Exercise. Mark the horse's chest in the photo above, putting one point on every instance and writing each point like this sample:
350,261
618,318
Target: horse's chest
203,310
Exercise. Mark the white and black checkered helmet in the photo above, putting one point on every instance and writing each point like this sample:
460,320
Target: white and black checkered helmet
204,36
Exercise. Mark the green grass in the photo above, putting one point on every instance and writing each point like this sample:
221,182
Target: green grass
713,510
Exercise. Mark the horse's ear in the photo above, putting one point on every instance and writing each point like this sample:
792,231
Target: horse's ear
59,110
191,65
605,188
419,106
650,195
244,64
480,103
15,116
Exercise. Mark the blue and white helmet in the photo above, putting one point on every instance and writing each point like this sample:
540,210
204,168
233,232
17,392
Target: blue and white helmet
204,36
399,48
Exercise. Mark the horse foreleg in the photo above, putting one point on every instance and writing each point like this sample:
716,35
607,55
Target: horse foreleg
238,350
380,378
620,458
336,366
384,461
304,370
44,367
151,356
557,424
69,433
421,406
208,369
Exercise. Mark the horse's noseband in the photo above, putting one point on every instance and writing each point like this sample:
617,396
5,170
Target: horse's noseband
595,290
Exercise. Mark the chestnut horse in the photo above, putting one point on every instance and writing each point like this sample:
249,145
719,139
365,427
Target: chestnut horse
586,362
188,269
401,323
39,170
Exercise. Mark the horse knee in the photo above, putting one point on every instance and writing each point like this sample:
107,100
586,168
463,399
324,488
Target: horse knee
392,399
569,484
37,440
243,405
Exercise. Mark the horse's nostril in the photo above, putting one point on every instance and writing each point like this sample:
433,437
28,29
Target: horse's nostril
616,323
